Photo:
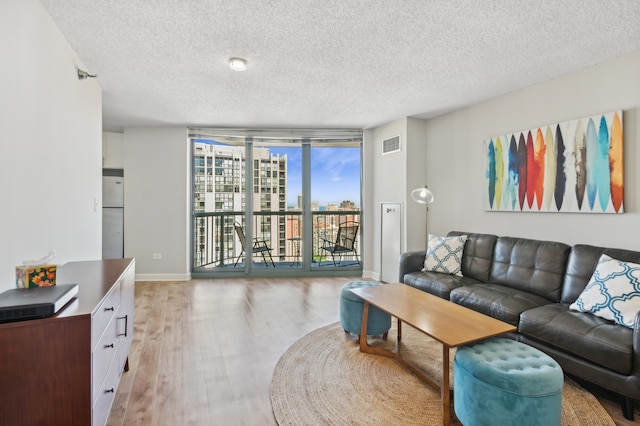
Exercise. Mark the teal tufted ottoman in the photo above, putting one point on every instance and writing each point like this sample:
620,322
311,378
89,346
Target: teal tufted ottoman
503,382
351,312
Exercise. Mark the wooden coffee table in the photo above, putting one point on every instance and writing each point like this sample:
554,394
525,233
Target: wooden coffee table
450,324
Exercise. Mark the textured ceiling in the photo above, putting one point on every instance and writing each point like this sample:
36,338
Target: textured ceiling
330,63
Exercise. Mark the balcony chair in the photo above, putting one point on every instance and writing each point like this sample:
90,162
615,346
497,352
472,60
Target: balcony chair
345,243
259,246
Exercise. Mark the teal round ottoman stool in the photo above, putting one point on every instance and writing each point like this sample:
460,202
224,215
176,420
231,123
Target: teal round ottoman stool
379,322
503,382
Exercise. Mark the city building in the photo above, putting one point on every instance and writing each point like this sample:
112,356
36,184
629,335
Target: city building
219,186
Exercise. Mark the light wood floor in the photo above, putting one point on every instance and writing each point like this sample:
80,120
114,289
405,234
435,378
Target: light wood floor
204,350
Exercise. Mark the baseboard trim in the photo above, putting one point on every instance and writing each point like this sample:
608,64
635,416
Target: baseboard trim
163,277
371,274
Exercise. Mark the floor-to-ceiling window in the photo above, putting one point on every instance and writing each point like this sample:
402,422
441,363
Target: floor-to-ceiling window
276,202
335,204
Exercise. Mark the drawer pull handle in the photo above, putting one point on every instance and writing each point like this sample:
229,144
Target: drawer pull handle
126,325
108,390
108,346
109,309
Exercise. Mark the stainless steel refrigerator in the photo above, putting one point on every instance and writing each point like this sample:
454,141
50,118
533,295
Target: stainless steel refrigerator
112,213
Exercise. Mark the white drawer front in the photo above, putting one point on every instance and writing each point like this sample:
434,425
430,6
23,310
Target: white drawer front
104,313
106,395
103,355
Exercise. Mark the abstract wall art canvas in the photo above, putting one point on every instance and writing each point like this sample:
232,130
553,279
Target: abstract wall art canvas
573,166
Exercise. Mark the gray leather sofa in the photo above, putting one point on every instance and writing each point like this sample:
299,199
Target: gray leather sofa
530,284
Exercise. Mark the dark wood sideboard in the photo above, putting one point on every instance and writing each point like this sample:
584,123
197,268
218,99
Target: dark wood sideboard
65,369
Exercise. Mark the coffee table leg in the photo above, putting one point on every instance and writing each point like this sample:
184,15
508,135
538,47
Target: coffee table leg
364,347
444,388
364,344
363,327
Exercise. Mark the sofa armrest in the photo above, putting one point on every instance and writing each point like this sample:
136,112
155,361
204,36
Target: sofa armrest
636,342
411,261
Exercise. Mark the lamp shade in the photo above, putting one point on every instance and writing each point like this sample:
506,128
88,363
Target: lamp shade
422,195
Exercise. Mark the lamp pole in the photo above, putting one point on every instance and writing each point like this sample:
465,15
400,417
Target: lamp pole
424,196
426,226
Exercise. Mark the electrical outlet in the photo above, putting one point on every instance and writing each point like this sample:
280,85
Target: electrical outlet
157,256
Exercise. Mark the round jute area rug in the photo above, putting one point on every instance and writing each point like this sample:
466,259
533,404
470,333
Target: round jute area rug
324,379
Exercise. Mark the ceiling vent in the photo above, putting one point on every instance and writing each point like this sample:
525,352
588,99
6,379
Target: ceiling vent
391,145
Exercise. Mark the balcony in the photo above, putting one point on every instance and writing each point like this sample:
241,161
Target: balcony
217,248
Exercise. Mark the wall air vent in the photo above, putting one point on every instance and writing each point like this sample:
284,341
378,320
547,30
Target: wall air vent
391,145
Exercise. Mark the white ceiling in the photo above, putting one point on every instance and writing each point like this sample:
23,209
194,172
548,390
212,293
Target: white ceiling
330,63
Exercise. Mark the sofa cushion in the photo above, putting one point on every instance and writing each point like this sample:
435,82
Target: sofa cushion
581,264
530,265
477,255
436,283
499,301
613,292
444,254
584,335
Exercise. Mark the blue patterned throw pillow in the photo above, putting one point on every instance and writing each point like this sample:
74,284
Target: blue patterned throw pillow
445,254
613,292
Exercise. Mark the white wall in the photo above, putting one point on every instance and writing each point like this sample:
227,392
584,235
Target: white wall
416,177
389,178
455,156
112,150
50,133
157,202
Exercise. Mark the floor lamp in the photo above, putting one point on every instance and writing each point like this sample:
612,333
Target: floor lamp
424,196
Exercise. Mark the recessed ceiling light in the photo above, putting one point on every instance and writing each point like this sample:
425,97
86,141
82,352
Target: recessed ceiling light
238,64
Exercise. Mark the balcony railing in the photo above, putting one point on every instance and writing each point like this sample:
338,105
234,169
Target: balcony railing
217,245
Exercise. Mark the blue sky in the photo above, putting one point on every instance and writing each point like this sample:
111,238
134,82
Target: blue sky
335,174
